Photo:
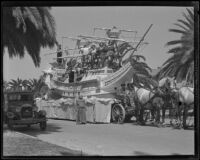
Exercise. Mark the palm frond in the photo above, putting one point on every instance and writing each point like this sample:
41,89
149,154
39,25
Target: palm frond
178,31
175,49
191,13
33,15
175,42
191,21
187,56
17,13
179,25
28,29
185,23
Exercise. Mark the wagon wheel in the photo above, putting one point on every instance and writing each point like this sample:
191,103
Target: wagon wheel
118,113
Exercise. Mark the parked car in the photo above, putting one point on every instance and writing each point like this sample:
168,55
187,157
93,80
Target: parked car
20,109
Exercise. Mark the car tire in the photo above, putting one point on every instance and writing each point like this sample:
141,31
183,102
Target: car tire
43,126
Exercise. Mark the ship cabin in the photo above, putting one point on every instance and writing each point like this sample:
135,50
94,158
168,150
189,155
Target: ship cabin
74,76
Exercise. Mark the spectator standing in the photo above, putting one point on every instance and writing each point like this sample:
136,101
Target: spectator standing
81,110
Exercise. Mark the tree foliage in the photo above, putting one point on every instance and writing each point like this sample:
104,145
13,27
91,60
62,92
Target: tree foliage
181,64
28,29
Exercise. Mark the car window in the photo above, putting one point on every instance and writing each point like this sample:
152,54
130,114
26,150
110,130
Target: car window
26,97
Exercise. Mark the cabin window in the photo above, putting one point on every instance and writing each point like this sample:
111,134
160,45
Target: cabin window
71,77
101,71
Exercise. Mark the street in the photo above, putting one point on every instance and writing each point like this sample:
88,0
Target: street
115,139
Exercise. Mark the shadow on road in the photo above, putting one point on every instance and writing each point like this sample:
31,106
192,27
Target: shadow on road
72,153
153,124
149,124
34,130
140,153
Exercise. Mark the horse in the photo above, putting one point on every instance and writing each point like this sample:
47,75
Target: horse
156,99
149,100
184,101
179,99
166,84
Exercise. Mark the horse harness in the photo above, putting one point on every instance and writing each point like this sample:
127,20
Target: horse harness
150,99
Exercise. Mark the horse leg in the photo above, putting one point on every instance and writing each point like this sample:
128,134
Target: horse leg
141,119
136,114
173,112
152,114
184,117
137,106
173,115
157,115
163,114
179,113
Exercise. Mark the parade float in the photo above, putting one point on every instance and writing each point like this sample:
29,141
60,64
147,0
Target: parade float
95,69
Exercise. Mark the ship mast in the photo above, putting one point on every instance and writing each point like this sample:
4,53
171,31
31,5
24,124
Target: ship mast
142,39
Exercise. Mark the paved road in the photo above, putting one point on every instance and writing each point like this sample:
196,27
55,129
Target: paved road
115,139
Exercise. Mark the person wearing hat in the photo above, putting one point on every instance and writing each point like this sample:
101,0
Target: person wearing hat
81,110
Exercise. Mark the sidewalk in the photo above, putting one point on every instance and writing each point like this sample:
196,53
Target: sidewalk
19,144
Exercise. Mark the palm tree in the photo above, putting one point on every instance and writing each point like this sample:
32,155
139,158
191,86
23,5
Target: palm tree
141,75
28,29
181,64
5,85
38,86
16,84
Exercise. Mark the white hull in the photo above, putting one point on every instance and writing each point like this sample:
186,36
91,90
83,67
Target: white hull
102,88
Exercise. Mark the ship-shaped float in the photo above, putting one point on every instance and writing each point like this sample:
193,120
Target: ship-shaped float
98,65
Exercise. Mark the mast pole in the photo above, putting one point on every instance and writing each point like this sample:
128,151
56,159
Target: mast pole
62,44
142,39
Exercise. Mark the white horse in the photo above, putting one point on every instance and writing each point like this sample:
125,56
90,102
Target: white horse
148,100
181,99
184,97
158,98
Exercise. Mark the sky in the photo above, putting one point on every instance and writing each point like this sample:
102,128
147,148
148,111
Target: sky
73,21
